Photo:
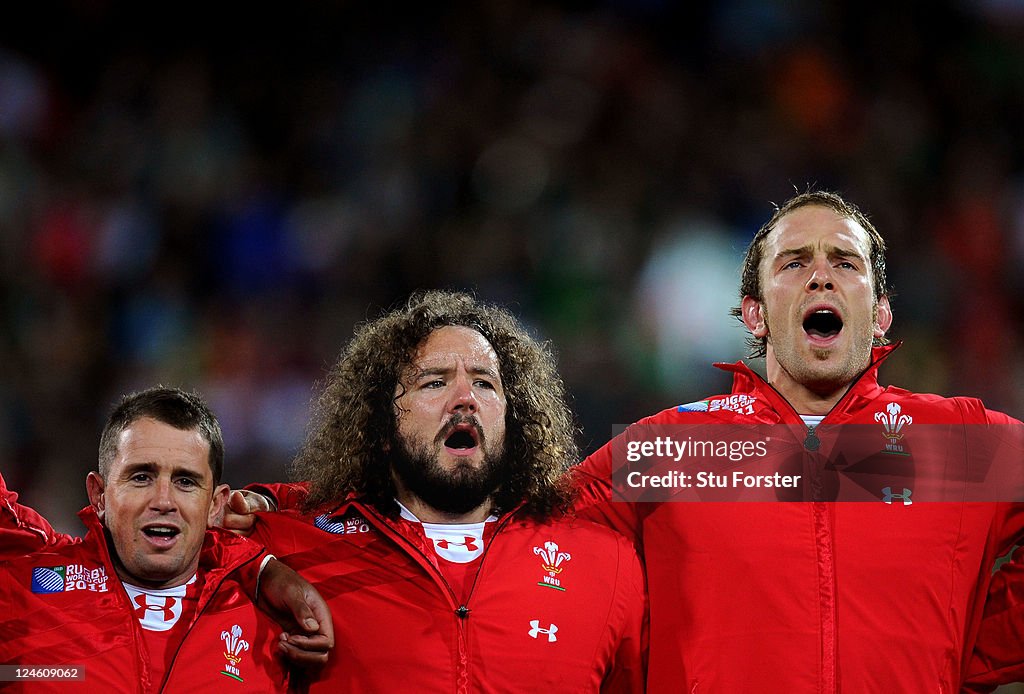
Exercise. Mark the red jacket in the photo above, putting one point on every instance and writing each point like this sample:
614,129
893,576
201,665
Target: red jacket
817,596
87,621
576,628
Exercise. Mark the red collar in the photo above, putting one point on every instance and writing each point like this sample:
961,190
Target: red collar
864,387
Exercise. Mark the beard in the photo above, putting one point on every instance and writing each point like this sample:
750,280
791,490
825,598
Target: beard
455,491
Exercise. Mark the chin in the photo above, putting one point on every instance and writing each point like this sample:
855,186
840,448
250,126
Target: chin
821,353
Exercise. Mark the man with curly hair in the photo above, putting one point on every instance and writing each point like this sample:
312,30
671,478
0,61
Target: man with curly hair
431,516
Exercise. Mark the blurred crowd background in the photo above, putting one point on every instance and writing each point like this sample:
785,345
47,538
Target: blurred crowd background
214,197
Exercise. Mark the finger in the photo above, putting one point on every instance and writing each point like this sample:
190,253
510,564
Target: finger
313,644
240,524
298,656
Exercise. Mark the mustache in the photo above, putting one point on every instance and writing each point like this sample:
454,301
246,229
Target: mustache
456,420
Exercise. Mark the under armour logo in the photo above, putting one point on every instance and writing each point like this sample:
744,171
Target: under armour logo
535,629
888,496
469,544
143,607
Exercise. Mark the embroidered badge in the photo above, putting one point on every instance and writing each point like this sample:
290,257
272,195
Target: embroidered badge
345,526
894,424
552,561
59,579
234,646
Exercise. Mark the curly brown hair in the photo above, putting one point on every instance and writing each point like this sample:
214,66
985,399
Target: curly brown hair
354,422
750,275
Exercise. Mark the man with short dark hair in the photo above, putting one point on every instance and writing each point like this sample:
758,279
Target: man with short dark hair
435,517
151,599
861,584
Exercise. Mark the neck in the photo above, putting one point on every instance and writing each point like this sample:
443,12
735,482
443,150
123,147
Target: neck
428,514
815,398
807,401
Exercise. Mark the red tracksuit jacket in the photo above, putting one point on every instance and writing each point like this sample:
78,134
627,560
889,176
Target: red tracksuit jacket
823,596
527,626
86,619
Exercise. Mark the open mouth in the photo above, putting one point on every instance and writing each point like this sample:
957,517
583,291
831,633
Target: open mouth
463,438
822,323
161,533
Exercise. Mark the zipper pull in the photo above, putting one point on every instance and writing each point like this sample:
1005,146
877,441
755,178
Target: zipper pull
462,612
812,442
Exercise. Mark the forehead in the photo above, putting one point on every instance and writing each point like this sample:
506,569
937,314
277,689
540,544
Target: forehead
818,227
454,343
147,441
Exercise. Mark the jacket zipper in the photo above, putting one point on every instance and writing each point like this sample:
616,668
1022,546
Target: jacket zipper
824,549
463,610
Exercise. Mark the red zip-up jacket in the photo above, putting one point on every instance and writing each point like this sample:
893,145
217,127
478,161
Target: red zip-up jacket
64,607
819,596
555,606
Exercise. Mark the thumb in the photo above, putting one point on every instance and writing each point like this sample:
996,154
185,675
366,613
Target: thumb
304,617
237,502
245,502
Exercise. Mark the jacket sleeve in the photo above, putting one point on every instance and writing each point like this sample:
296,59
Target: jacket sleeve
998,655
285,495
22,530
628,672
596,498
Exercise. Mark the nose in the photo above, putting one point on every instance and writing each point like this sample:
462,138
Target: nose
163,496
463,399
821,278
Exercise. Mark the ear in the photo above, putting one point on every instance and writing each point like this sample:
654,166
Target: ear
883,317
217,505
94,486
753,316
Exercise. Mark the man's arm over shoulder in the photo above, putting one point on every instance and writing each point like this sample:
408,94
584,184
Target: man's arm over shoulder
289,599
595,495
243,504
282,495
597,498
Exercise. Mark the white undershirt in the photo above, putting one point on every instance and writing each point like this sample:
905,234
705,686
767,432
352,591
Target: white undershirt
158,608
460,543
812,420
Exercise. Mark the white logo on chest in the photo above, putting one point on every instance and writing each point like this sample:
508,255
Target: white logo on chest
536,630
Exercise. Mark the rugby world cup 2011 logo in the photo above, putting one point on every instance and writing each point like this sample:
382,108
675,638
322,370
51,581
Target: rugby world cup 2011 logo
48,579
552,561
894,424
234,646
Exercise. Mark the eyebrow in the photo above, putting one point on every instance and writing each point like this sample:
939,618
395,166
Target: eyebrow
444,370
153,467
808,250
